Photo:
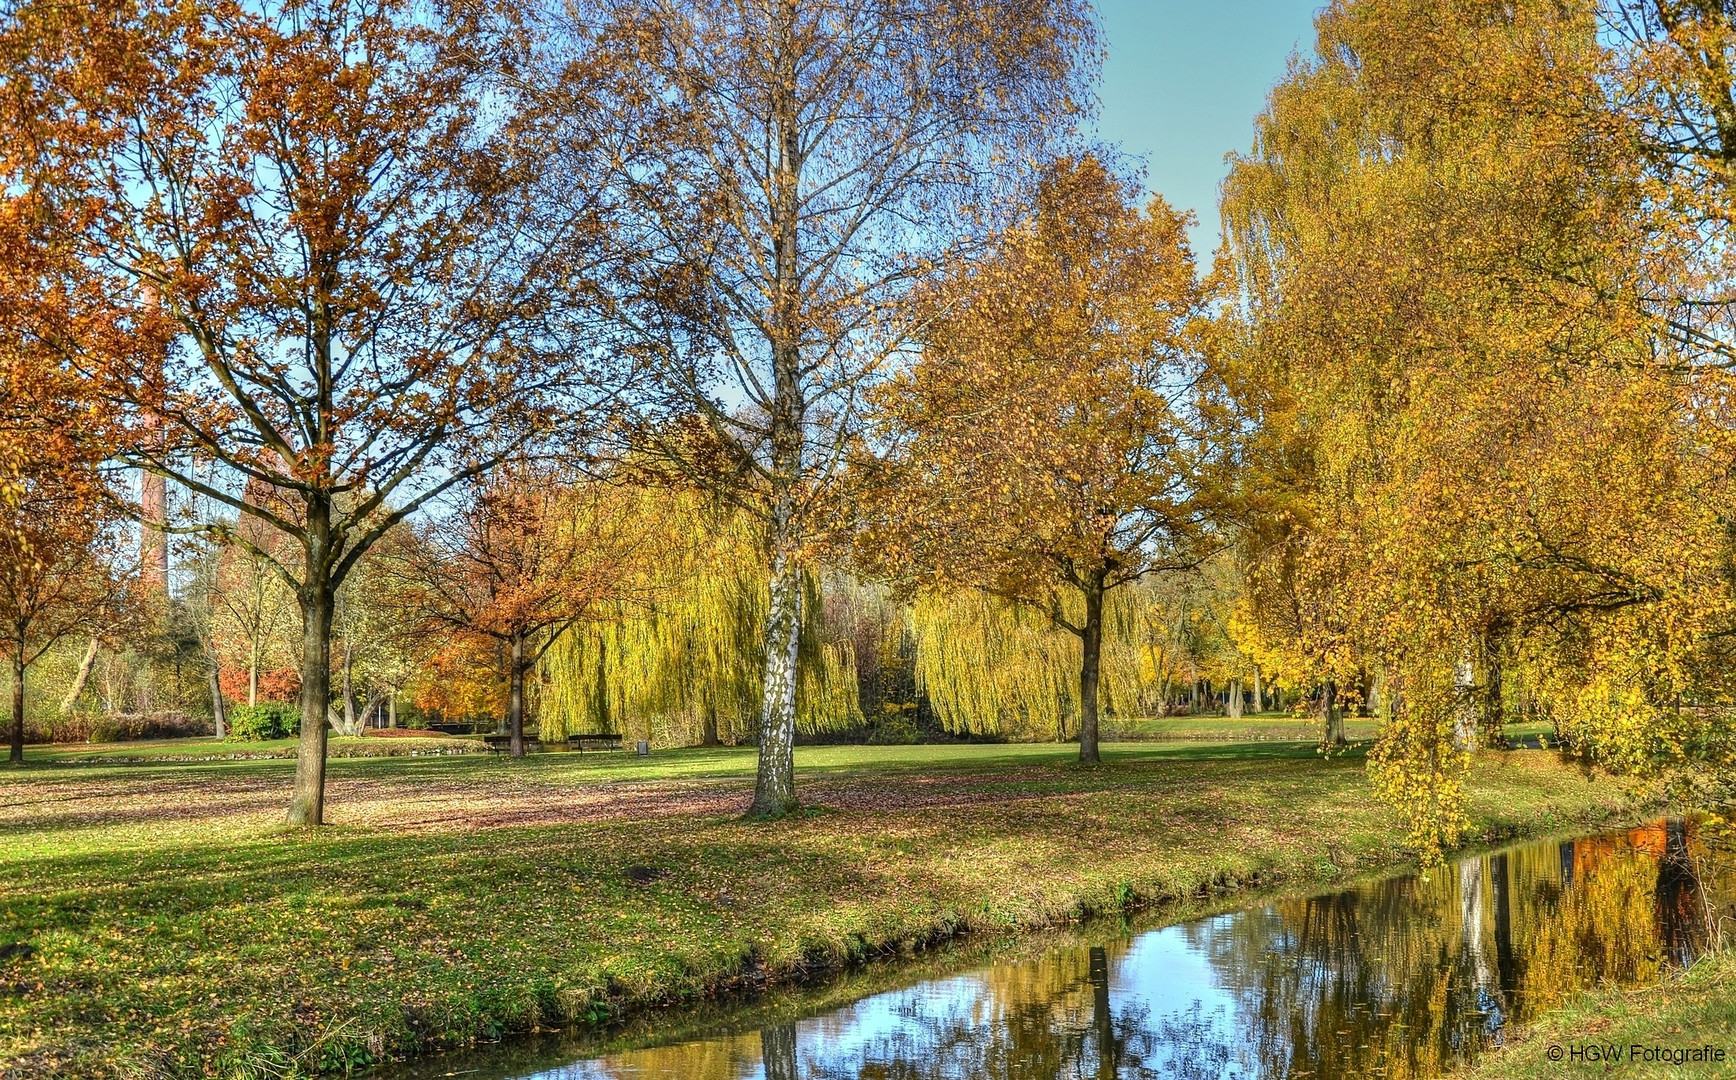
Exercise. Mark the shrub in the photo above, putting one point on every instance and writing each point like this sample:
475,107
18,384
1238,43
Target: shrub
83,727
895,729
267,720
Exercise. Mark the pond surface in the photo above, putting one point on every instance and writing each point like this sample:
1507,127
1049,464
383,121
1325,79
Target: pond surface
1402,977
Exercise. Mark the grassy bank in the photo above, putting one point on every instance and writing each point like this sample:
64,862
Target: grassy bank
1254,727
173,925
1694,1011
207,749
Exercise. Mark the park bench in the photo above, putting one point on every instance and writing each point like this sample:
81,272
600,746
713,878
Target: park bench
500,744
581,743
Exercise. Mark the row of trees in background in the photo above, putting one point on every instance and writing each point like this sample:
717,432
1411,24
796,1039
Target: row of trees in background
733,370
324,263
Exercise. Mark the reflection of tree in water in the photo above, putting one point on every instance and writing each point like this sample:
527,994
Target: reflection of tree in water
1324,984
1398,978
1188,1045
778,1052
1405,976
1687,918
1052,1018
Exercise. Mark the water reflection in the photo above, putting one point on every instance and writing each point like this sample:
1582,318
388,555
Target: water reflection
1400,978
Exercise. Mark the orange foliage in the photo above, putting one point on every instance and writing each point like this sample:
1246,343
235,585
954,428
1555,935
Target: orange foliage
283,684
465,680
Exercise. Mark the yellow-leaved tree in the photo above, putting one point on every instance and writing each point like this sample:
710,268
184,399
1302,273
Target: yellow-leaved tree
1035,452
1467,477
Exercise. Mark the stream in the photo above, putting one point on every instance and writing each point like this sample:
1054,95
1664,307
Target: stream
1403,976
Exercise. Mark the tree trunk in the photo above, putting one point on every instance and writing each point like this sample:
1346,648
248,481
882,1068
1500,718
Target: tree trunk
708,726
1494,704
370,710
1090,669
307,801
1465,714
1157,673
18,702
1331,714
515,695
253,673
1235,702
219,716
83,677
775,785
350,727
1259,694
501,659
392,709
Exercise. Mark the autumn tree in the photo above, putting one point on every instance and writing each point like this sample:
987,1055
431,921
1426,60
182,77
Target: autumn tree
62,570
811,161
198,610
250,611
63,565
1035,450
384,646
326,208
523,559
1464,446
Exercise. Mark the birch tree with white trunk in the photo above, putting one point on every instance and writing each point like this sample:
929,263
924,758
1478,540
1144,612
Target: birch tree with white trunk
806,163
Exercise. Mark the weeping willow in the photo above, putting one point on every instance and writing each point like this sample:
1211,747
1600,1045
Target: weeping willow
687,667
992,667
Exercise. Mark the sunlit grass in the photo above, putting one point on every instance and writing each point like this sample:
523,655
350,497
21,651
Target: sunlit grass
1697,1010
176,924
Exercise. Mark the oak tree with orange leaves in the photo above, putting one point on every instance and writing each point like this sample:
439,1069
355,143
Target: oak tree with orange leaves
328,212
1035,451
525,557
63,564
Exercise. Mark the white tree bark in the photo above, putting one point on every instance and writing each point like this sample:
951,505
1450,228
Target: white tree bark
74,692
775,786
1464,706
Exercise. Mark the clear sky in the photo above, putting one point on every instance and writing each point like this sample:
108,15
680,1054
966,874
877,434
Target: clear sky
1184,81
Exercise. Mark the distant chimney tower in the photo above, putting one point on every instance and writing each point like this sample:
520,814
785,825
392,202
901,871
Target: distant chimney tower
153,541
153,501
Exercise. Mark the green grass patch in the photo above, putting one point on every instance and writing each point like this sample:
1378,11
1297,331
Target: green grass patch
1696,1010
207,749
1261,727
174,925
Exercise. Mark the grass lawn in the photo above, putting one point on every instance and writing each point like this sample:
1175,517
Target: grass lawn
1696,1010
1271,726
175,927
1253,727
207,749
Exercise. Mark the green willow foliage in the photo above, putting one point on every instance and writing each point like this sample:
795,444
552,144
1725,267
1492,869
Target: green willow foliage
993,667
688,667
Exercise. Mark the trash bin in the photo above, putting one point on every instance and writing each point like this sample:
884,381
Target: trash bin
644,748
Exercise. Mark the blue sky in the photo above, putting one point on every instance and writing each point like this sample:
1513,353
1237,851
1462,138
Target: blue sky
1183,82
